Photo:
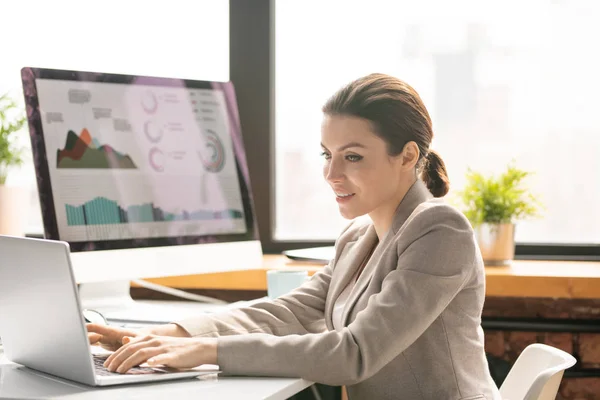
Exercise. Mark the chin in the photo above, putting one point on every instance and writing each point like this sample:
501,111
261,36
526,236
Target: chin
350,214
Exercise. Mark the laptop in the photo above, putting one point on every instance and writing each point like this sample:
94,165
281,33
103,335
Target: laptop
41,322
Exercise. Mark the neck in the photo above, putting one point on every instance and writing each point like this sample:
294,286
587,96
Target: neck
383,216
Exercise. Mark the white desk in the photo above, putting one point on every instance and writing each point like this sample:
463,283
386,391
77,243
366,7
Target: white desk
17,382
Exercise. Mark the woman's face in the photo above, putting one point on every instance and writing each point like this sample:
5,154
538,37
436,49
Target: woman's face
364,178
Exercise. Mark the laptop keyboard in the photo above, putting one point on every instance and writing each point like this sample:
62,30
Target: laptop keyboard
102,371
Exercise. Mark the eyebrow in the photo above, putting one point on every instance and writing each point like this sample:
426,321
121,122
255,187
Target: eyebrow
347,146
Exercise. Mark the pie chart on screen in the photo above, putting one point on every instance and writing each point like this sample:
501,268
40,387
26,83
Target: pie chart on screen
149,102
213,153
153,131
156,158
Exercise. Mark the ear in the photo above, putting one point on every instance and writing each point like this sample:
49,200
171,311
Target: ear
409,156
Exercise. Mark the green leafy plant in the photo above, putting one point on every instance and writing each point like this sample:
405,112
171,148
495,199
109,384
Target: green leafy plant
501,199
11,121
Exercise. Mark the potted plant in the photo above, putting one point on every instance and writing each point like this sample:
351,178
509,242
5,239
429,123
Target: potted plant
493,205
12,119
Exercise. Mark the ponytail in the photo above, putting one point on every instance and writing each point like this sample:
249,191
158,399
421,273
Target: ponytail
435,175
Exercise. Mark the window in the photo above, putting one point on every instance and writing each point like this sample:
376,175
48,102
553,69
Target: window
174,39
502,81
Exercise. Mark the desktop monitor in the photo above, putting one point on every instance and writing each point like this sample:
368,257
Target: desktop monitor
142,176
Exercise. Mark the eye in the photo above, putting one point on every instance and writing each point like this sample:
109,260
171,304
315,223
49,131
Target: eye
326,155
353,157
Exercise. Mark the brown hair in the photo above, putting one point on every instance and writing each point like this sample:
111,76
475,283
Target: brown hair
398,116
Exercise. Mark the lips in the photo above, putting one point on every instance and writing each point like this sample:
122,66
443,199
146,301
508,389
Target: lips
343,197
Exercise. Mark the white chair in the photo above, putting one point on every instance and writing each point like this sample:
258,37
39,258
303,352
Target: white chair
536,374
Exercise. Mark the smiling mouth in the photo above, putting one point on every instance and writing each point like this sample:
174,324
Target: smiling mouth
344,196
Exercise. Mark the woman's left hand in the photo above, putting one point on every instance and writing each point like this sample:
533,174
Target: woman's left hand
176,352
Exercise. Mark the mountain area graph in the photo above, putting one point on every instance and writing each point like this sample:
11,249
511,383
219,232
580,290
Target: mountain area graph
103,211
84,151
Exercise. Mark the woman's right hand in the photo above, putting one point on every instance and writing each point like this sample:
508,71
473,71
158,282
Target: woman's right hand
110,337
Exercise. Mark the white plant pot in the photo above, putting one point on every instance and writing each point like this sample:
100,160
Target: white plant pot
14,210
496,242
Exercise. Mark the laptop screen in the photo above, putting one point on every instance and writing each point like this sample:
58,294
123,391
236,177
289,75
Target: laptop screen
133,161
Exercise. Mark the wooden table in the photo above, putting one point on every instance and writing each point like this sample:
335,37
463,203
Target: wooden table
558,279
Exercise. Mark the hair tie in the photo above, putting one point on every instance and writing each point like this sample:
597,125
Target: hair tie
428,159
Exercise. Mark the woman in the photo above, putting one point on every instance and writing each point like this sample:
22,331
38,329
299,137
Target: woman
397,313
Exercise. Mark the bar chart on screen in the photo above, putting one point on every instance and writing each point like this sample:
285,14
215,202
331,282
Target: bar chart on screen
129,205
101,210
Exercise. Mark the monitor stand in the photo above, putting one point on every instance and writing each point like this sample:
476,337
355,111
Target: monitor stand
113,300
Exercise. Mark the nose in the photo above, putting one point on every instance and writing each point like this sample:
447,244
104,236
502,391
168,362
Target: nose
333,171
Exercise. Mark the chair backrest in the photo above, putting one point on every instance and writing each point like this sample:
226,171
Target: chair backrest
536,374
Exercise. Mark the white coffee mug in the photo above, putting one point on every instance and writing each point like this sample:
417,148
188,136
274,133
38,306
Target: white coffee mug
280,282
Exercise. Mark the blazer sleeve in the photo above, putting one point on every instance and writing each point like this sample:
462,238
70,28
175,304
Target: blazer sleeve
429,274
299,312
302,311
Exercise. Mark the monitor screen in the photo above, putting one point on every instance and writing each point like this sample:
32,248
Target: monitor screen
151,171
133,161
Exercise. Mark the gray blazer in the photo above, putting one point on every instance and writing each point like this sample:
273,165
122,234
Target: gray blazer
411,324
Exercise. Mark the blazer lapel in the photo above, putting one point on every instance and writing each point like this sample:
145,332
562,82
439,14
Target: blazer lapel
366,274
345,267
417,194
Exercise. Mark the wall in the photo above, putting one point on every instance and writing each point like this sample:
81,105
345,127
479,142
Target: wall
582,382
